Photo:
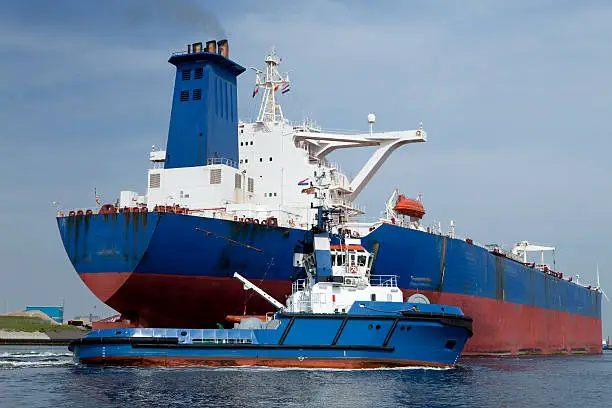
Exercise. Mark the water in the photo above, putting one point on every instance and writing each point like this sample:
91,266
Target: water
47,377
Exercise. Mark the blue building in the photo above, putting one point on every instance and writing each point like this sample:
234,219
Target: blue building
54,312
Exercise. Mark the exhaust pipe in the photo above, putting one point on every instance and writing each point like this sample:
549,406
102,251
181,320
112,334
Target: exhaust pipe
211,46
223,47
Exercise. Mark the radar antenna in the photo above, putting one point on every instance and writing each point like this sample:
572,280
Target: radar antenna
270,82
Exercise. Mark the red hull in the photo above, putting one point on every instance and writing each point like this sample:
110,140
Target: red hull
345,363
500,328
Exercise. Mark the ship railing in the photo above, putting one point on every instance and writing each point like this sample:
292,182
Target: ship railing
221,160
322,306
210,336
389,281
298,285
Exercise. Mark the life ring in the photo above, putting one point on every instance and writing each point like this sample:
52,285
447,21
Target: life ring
353,268
418,133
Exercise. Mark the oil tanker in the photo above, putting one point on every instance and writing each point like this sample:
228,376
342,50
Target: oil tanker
226,196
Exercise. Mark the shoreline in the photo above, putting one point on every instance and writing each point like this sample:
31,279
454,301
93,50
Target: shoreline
35,342
39,338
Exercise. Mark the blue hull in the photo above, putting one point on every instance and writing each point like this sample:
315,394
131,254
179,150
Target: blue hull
432,336
516,308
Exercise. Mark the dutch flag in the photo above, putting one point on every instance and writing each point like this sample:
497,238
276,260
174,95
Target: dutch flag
304,182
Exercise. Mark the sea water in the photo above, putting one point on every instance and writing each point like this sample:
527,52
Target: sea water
48,377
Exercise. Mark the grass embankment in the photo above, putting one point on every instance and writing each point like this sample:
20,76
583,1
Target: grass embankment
32,324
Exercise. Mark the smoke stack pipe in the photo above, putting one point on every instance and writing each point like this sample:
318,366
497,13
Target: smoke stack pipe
197,47
211,46
223,48
188,48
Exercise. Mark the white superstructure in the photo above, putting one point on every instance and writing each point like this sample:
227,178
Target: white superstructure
282,168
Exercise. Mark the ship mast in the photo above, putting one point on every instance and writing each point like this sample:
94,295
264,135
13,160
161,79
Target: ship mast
270,82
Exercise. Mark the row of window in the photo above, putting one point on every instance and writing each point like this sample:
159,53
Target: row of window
260,160
341,259
196,95
269,195
198,73
246,143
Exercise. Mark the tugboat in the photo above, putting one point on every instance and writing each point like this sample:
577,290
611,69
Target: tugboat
338,316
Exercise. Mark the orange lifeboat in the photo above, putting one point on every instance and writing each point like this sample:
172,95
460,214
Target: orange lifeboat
409,207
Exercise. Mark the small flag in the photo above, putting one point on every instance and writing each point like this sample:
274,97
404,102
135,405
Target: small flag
255,91
286,88
309,190
276,88
304,182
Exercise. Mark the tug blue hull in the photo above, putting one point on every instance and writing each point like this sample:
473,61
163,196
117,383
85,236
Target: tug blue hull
370,334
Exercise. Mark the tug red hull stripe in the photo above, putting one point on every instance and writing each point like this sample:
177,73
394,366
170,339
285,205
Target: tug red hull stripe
343,363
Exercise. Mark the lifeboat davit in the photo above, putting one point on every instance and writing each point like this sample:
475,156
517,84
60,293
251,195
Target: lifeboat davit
409,207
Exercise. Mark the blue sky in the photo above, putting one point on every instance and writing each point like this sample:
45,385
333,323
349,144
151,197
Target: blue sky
515,97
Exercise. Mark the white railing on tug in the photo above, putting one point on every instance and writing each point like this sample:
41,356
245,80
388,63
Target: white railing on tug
319,301
298,285
389,281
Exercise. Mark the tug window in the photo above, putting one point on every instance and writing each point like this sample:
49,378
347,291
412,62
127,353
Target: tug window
340,260
361,260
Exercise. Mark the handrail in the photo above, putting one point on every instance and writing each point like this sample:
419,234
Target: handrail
221,160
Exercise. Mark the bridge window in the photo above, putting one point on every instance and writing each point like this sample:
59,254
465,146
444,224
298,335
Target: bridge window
341,259
184,96
199,73
186,74
361,260
197,94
